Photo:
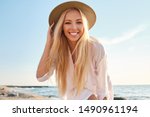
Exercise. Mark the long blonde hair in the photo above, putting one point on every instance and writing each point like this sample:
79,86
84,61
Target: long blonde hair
60,54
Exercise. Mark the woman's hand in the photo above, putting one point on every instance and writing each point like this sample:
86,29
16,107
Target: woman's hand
49,33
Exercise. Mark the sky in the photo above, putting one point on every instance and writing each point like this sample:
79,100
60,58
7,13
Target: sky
123,26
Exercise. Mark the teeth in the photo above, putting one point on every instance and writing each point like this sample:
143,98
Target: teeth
73,34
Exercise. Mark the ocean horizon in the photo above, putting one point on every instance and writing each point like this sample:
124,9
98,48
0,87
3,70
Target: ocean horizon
129,92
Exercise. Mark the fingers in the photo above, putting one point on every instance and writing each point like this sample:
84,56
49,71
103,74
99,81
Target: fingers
51,25
50,31
50,28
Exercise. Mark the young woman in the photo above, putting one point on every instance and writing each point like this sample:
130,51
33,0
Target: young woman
79,60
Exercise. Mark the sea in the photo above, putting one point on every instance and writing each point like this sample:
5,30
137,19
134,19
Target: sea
129,92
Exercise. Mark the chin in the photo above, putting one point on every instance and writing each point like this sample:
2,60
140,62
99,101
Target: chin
74,40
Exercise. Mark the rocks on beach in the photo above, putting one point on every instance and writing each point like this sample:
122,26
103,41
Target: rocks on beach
119,98
7,93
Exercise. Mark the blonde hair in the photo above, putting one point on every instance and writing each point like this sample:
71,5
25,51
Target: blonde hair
60,54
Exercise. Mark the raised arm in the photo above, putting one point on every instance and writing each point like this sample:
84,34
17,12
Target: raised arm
42,69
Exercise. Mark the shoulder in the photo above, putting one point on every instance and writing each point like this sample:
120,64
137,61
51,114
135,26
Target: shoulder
96,47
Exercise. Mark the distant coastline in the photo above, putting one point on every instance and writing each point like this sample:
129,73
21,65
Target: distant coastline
122,92
12,86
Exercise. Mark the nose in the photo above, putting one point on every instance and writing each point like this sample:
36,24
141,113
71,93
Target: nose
74,26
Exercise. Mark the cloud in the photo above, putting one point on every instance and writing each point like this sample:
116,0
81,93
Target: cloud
124,37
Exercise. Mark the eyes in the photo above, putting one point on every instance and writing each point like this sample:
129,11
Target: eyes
69,22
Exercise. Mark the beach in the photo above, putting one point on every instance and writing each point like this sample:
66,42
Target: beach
7,93
121,92
11,93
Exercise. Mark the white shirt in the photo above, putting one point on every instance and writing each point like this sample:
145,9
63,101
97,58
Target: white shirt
97,81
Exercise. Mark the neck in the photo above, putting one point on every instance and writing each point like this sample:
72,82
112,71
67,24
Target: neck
72,45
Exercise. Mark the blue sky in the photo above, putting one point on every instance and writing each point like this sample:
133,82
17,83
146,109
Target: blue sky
122,26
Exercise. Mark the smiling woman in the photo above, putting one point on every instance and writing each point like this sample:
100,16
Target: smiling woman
73,27
79,60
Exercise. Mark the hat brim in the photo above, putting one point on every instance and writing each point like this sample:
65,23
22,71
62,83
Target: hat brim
87,10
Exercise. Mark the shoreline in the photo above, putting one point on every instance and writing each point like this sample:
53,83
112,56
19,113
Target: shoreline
8,92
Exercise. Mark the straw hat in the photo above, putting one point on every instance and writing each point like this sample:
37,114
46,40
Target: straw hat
87,10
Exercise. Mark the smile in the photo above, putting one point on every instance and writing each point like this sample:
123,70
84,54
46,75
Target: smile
74,34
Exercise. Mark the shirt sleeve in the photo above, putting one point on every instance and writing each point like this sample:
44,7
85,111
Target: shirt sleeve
104,85
48,74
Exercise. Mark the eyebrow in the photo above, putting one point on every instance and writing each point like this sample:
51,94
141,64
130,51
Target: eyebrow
71,20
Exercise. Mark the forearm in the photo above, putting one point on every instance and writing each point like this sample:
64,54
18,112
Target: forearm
42,67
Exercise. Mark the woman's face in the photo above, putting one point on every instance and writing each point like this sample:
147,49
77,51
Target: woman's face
73,26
